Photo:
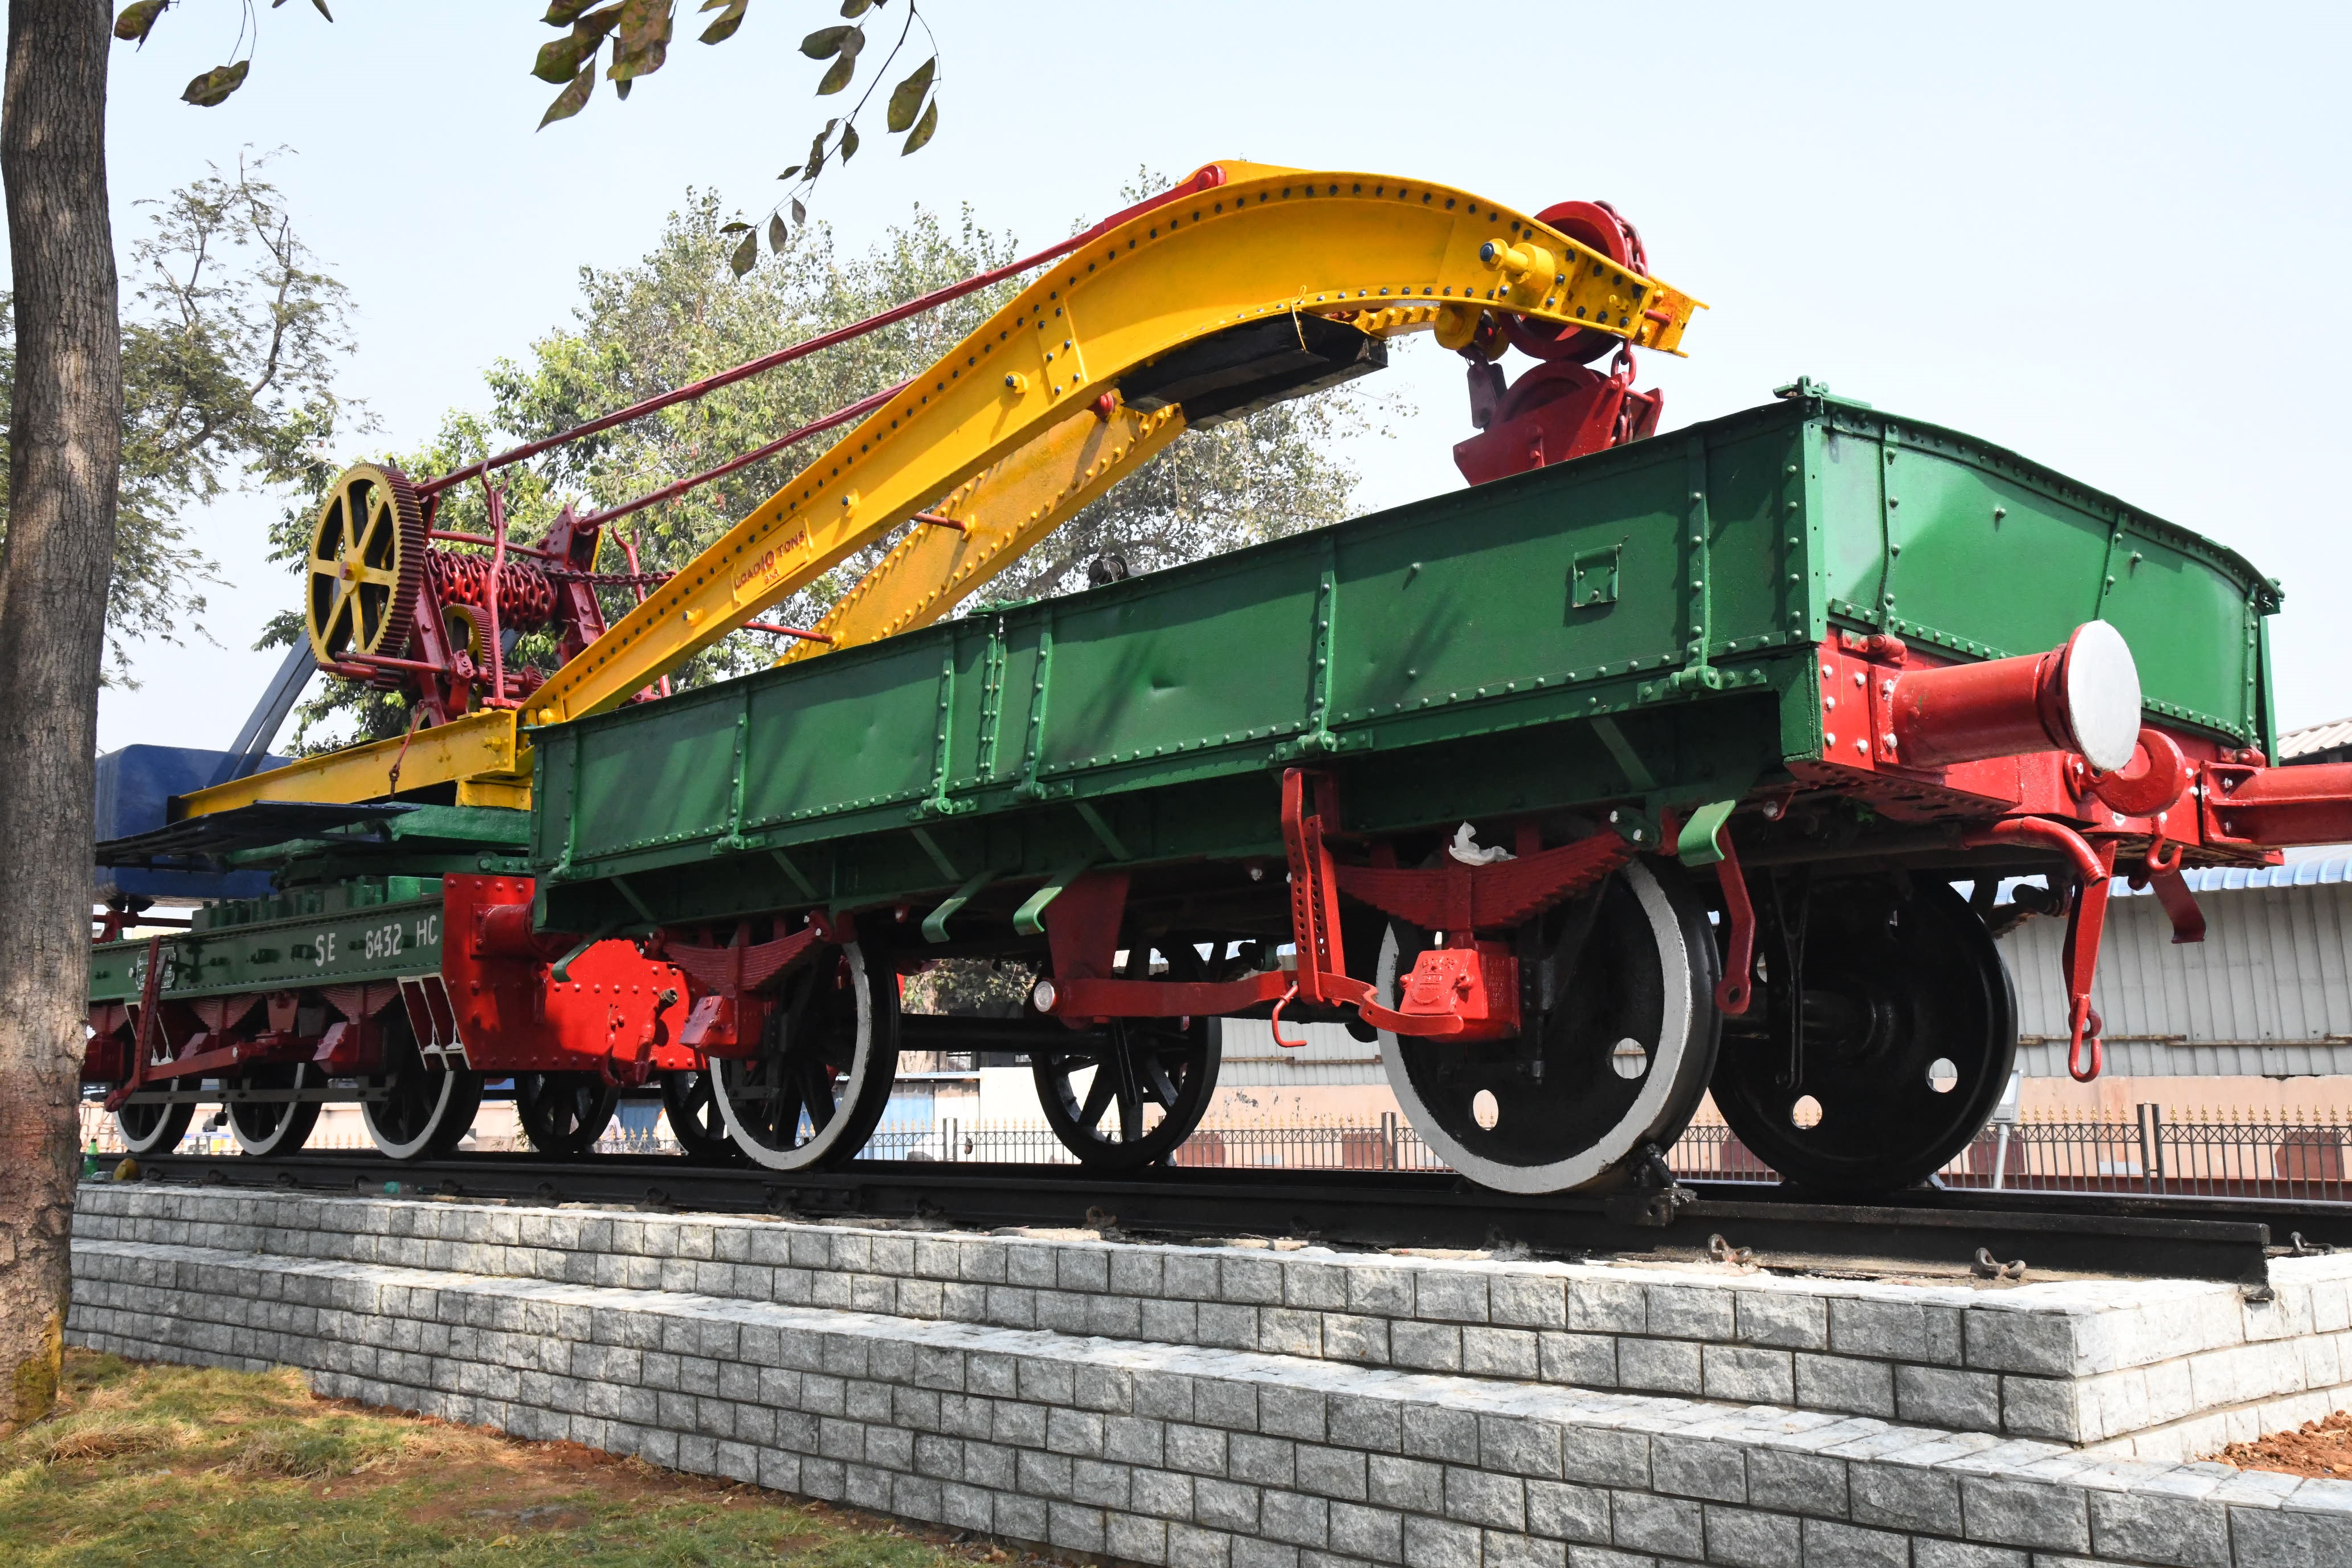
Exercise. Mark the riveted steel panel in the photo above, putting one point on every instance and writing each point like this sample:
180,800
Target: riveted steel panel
1437,655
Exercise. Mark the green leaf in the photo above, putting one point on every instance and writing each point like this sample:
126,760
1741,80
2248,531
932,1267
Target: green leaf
816,164
826,42
563,13
788,173
923,130
572,98
734,228
746,255
559,61
777,233
644,41
855,8
322,5
719,31
212,88
836,75
799,213
138,20
848,142
621,87
908,96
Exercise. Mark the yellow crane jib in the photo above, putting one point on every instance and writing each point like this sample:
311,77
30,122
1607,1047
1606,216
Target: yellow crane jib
1402,255
1248,283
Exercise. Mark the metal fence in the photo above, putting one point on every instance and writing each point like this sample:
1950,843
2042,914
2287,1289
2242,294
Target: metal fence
2207,1153
2203,1154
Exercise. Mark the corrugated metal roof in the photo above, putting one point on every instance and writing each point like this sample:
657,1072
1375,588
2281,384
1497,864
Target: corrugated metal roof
2241,879
2317,738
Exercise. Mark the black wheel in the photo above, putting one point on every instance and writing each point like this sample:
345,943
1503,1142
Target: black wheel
273,1126
154,1128
1909,1034
694,1119
1099,1089
564,1112
1612,1059
817,1088
425,1106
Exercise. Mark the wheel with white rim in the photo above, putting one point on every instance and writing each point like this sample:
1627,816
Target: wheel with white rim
1877,1044
1619,1035
564,1112
815,1090
153,1126
262,1115
417,1108
696,1123
1125,1093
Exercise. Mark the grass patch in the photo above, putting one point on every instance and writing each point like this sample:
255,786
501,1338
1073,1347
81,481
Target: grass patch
168,1465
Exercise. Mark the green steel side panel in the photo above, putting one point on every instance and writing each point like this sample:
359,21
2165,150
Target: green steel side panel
1758,558
1849,513
2193,633
1944,540
1164,670
343,947
673,782
866,737
1432,615
1630,626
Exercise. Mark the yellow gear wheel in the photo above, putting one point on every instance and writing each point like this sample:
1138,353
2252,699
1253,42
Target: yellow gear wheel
367,558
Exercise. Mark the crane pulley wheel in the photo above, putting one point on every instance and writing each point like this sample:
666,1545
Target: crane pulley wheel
1599,226
367,558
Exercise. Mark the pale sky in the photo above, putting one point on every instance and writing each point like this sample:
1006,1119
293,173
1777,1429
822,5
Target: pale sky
2106,236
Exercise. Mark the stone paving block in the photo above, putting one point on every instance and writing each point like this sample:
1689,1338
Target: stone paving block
1500,1353
1426,1347
2025,1513
1483,1497
1694,1467
1607,1306
1669,1526
965,1417
1506,1549
1938,1396
1440,1544
1747,1376
1664,1366
1528,1300
1330,1472
1416,1485
1587,1361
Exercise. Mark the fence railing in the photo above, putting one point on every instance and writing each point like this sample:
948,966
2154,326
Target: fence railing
2205,1154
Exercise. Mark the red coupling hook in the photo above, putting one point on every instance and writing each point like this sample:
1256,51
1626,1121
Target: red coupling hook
2087,1027
1287,998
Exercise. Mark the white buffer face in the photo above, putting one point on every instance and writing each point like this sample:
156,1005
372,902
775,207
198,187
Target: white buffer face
2102,693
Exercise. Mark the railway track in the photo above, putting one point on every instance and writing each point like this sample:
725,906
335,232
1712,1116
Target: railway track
1921,1227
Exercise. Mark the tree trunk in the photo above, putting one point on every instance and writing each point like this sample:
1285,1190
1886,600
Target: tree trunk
64,446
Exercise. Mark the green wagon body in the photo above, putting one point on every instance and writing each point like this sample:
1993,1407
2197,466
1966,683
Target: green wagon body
367,929
1632,626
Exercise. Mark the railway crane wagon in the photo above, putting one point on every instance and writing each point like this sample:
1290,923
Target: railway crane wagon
1647,764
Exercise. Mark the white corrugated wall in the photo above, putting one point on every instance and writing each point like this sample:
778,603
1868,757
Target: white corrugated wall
2267,993
1331,1057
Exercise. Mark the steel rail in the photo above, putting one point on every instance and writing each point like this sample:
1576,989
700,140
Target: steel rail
2052,1233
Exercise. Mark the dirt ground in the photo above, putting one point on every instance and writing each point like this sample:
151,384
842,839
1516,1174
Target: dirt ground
2321,1448
168,1465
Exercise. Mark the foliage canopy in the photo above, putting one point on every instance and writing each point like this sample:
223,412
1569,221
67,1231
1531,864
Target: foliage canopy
232,337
